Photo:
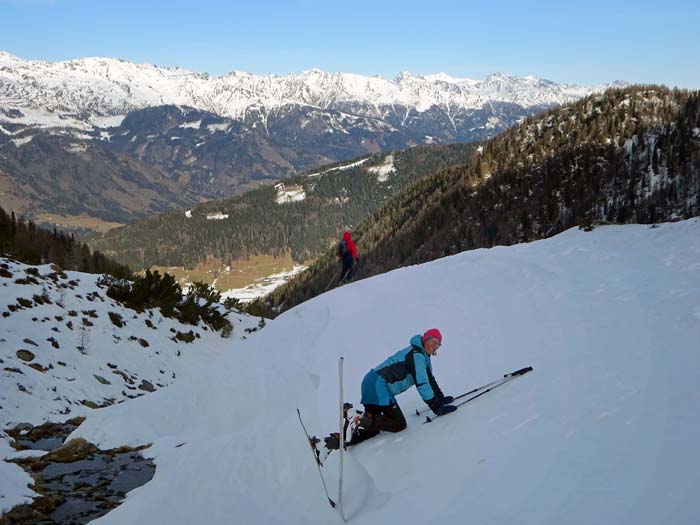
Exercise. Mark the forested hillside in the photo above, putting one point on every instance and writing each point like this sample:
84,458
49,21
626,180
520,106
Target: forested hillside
24,241
625,156
302,215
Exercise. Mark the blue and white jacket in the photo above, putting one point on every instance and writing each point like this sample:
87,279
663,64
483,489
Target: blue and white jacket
406,368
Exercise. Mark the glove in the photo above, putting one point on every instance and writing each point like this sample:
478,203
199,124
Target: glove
444,409
438,402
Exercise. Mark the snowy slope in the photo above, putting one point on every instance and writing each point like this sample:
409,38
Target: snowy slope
56,380
605,429
99,92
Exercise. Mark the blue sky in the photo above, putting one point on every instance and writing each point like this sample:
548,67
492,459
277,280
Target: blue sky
580,42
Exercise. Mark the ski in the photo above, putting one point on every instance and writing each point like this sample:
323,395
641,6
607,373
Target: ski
342,427
482,390
316,459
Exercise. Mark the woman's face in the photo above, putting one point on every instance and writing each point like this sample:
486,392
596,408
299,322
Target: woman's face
431,346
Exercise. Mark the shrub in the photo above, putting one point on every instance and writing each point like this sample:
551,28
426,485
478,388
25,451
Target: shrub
153,290
116,319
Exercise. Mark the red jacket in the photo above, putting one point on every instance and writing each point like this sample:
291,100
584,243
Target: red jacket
347,237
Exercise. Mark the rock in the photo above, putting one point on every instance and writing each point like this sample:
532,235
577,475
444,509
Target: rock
19,514
25,355
74,450
46,505
102,379
125,377
147,386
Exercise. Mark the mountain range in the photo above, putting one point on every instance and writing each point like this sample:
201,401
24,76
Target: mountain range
98,141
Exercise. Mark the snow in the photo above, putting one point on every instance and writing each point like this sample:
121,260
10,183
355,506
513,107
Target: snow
193,125
216,216
492,122
218,127
289,194
76,148
5,131
605,429
384,170
338,168
110,121
69,376
263,286
188,214
14,482
22,141
99,92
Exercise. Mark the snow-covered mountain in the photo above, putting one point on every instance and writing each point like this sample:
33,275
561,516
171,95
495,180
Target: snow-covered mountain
604,430
99,92
125,140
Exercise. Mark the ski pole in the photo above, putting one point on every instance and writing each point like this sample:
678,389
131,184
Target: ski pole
487,385
331,282
495,384
506,376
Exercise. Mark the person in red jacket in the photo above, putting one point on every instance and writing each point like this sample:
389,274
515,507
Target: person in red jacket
347,253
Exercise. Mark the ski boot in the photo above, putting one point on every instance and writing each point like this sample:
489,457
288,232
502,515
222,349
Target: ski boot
320,450
351,419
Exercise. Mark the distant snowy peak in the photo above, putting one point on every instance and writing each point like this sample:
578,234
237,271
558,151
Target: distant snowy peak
97,91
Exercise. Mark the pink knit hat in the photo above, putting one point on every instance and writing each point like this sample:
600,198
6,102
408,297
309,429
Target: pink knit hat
433,333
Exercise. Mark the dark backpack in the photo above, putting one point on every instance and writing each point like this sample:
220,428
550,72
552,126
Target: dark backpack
342,248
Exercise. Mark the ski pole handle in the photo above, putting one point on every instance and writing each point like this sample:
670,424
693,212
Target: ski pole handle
519,372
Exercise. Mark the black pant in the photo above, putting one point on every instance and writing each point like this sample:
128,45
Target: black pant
386,418
347,269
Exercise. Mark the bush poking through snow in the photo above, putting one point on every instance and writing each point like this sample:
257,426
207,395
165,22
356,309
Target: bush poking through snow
116,319
162,291
187,338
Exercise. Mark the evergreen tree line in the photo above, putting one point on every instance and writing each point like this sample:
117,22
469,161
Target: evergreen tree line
24,241
258,225
625,156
